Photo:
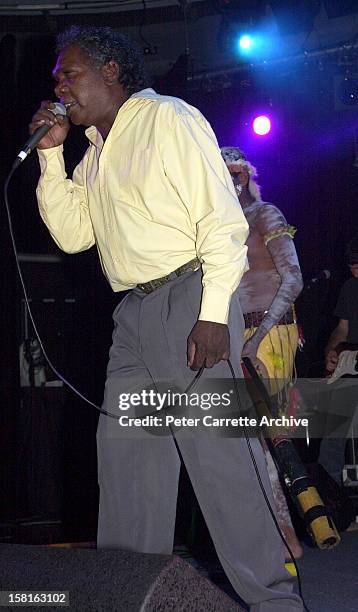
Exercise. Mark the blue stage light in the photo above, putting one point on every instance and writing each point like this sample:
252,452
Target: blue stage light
246,42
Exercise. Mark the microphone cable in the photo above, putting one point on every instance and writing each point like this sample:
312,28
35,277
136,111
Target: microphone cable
31,317
114,416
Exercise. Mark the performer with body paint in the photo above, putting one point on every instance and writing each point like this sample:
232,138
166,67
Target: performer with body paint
267,293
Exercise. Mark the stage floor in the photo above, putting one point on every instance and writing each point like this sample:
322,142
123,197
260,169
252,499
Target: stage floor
329,577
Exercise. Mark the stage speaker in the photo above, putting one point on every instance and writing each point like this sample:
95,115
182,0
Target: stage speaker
111,580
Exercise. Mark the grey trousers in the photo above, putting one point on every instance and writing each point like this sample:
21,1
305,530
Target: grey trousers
138,475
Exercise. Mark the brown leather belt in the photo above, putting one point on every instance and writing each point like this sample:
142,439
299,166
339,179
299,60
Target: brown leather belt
190,266
253,319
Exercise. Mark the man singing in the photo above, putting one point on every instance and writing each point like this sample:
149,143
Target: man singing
154,195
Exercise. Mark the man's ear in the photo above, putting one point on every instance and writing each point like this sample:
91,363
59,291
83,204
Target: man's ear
110,72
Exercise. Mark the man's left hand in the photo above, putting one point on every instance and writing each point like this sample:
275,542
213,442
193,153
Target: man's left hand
208,343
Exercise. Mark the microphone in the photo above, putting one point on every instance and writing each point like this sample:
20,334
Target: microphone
29,146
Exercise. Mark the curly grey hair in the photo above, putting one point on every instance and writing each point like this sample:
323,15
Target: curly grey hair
104,44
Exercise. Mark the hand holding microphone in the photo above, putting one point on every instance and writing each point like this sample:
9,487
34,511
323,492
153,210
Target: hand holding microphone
48,128
51,117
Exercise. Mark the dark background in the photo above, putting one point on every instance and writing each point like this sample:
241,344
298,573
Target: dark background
306,167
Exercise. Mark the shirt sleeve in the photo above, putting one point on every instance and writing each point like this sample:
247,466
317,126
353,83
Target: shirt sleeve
63,203
196,171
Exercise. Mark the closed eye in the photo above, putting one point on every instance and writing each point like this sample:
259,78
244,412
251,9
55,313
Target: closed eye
65,73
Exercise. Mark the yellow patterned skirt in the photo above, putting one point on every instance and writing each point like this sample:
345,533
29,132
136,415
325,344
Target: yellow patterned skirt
277,352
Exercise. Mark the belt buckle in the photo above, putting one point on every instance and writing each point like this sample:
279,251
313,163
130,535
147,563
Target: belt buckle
144,287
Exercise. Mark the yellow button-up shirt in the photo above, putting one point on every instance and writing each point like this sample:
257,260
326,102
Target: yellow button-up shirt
151,197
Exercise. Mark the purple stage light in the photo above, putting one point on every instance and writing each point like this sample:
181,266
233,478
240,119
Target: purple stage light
261,125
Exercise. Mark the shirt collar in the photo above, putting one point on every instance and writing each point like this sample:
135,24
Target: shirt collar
145,93
93,134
